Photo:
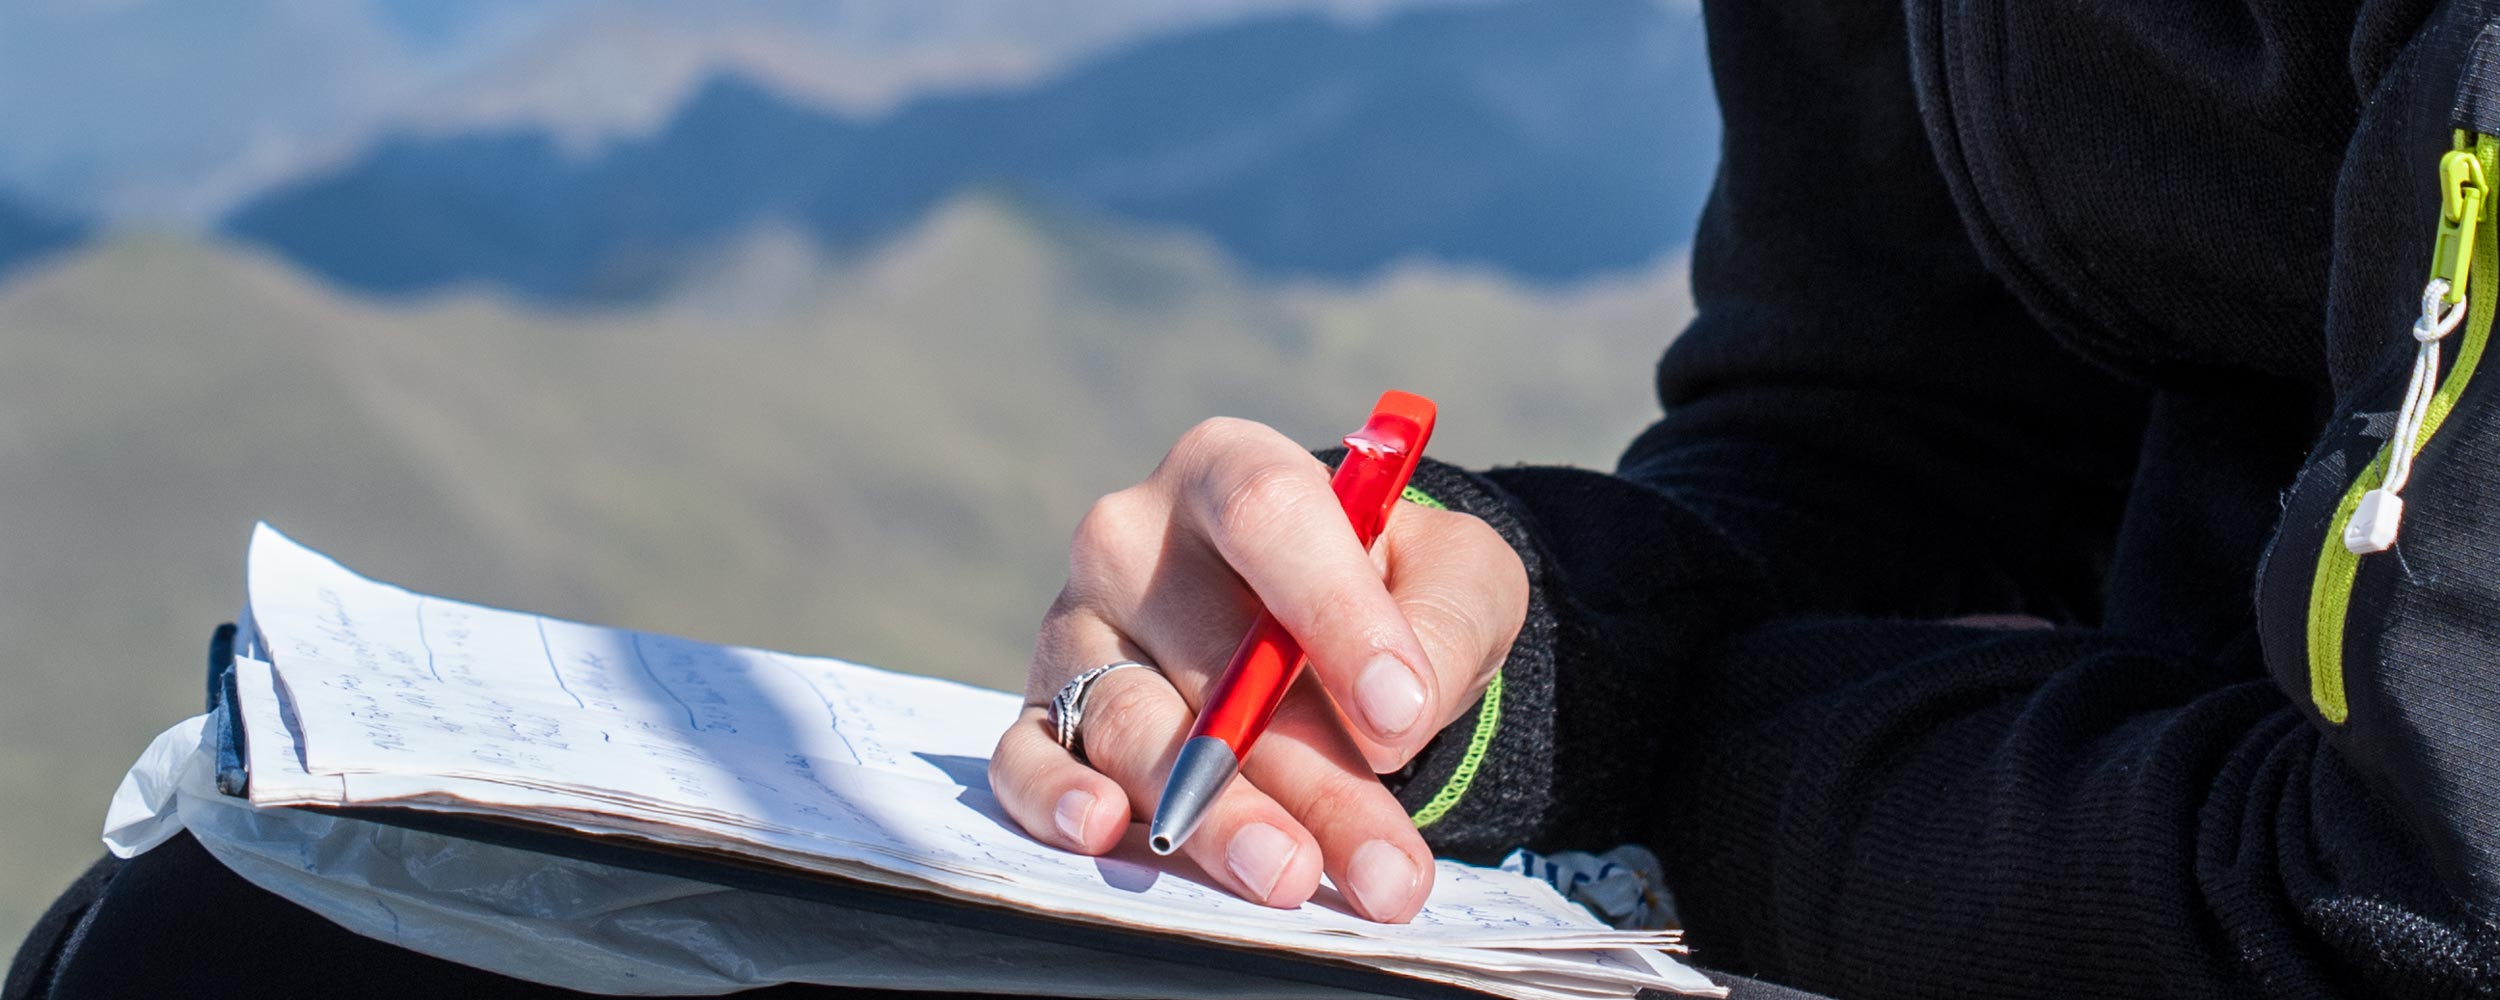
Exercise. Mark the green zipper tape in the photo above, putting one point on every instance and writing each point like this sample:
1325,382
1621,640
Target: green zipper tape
1488,722
2330,590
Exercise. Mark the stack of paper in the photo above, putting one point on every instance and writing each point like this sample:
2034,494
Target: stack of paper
362,694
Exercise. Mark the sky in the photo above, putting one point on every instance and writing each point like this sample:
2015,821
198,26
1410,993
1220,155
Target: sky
164,113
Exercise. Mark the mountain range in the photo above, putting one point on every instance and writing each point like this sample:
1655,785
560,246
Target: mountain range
1548,140
158,114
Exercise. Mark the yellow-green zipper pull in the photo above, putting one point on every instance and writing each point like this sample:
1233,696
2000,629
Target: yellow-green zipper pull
2462,201
2462,192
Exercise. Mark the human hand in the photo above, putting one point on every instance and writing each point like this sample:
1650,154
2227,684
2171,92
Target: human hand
1171,572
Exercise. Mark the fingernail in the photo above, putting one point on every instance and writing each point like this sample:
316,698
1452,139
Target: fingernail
1382,879
1389,696
1258,855
1073,808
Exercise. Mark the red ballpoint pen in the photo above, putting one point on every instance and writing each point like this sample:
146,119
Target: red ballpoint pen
1379,459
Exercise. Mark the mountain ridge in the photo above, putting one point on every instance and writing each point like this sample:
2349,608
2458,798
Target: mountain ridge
1553,141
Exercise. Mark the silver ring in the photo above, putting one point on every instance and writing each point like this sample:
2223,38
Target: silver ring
1067,708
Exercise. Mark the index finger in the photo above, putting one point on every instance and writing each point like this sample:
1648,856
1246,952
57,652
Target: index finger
1266,506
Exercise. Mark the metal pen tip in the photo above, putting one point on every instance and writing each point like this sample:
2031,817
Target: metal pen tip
1199,774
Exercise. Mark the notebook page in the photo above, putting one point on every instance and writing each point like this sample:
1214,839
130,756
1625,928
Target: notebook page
805,760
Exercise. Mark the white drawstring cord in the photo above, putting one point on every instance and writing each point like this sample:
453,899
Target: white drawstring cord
2375,521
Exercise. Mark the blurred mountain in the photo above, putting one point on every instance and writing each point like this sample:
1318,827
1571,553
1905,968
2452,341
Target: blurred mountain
165,113
1548,140
26,234
878,466
618,67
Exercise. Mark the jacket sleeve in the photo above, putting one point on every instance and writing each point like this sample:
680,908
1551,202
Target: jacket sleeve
1860,420
1728,660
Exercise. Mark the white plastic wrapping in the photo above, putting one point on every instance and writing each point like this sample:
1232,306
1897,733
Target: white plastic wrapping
1626,887
597,928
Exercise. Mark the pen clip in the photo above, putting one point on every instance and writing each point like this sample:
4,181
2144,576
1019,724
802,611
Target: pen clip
1380,458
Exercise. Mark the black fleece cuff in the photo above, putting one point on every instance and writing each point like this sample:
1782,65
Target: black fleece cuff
1623,585
1479,810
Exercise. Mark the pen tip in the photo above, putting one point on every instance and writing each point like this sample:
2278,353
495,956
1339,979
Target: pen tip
1204,767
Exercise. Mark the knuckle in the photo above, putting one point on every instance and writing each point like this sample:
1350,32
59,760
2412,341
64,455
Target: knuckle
1214,433
1125,723
1110,522
1256,499
1110,541
1198,434
1206,444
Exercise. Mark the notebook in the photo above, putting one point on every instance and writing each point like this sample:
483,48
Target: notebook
801,775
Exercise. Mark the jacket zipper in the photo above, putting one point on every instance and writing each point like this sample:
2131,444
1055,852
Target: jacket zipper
2369,516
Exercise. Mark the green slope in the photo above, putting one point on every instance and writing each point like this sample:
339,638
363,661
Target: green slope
876,458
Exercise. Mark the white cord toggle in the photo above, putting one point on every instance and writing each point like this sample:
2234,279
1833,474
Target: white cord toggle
2381,512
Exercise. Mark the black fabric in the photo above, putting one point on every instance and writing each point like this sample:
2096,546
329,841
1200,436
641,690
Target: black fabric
2422,629
2478,104
30,972
2084,311
1741,988
1584,714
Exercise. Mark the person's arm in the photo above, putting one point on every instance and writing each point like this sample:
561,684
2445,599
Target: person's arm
1918,808
1860,420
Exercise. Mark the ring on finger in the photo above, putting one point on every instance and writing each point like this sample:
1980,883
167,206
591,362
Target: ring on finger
1067,708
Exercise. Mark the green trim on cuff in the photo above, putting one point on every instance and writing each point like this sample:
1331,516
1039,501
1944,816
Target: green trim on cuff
1488,721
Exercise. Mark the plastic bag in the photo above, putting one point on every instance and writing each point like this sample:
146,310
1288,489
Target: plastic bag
597,928
1626,887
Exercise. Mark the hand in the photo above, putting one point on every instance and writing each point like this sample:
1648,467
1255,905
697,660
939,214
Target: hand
1170,572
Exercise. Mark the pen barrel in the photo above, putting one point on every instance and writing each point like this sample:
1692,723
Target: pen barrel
1242,701
1380,457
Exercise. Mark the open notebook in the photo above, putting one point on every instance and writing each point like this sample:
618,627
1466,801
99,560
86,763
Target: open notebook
353,694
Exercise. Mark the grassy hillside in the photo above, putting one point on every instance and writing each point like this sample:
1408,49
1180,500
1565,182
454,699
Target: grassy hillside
877,458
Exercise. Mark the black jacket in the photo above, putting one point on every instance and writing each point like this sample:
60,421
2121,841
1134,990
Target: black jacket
2085,310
